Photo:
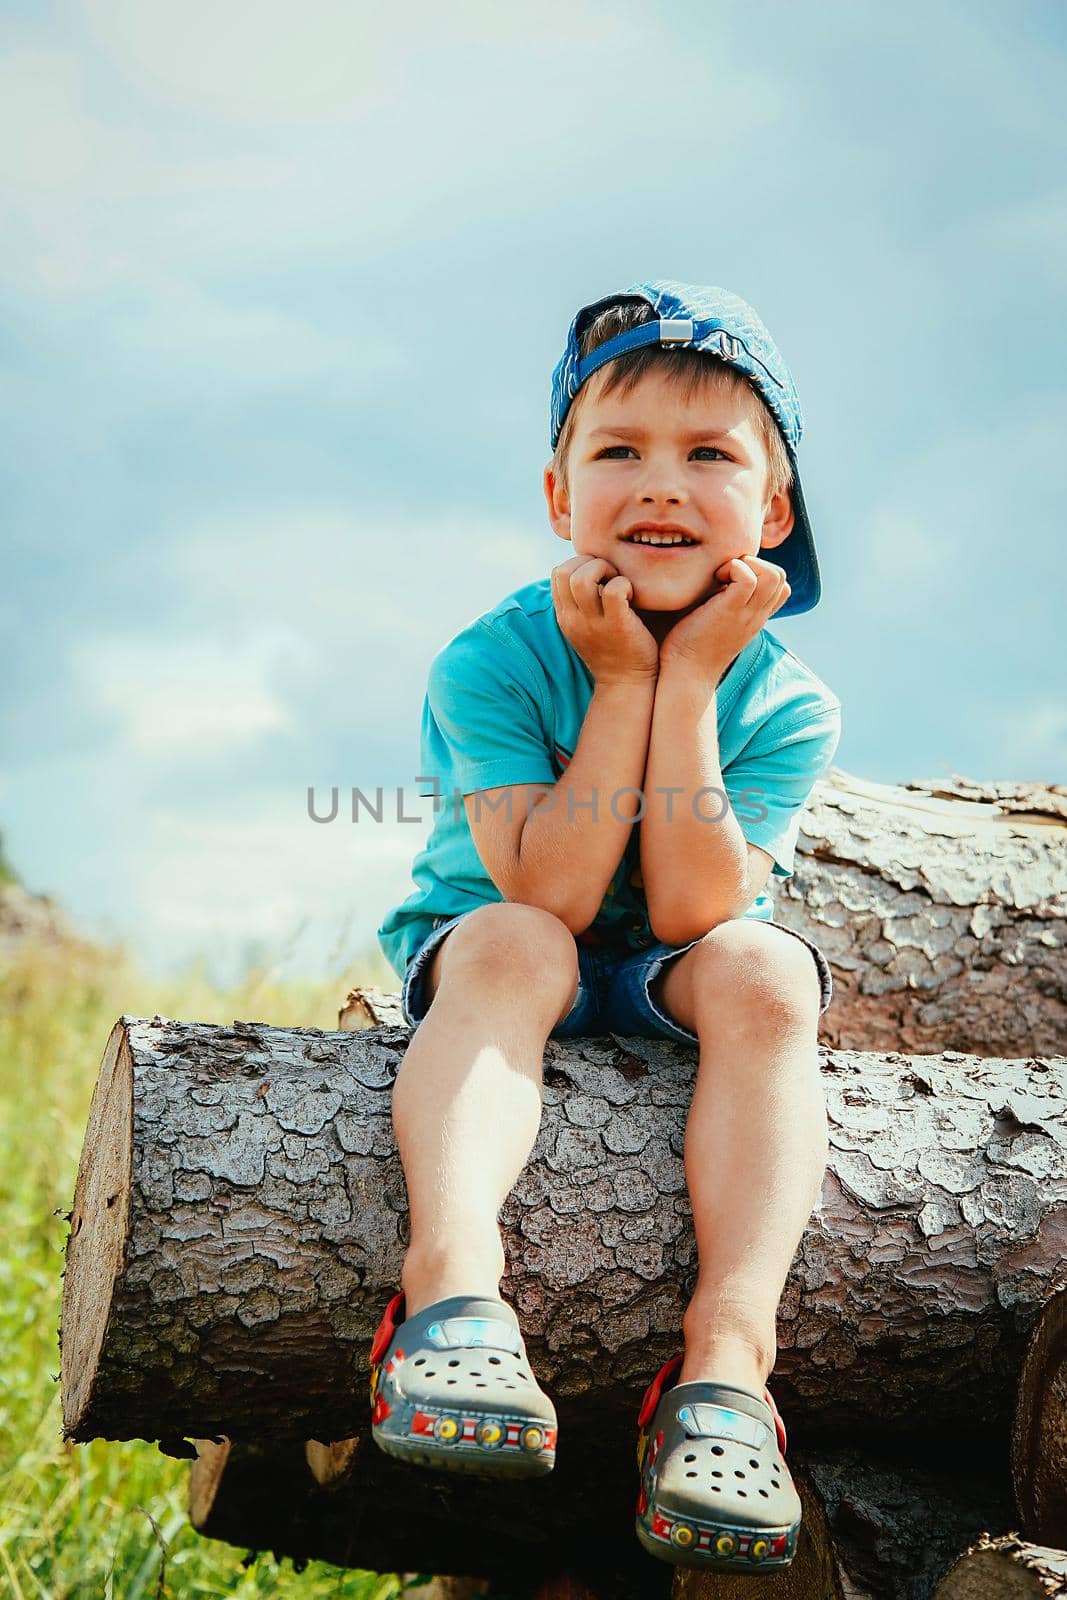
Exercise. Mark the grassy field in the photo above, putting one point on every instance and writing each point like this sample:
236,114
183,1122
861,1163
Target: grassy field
106,1521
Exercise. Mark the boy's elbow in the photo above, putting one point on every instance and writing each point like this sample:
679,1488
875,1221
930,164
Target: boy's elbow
672,927
574,918
675,933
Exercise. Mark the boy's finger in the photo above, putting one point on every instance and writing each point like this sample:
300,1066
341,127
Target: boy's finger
561,580
564,603
586,582
617,592
740,580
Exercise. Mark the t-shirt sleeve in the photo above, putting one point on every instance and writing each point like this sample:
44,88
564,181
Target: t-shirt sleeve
483,720
771,782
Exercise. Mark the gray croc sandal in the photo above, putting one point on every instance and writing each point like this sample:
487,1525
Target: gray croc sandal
452,1388
715,1490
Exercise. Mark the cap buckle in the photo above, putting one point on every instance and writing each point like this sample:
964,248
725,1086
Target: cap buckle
675,329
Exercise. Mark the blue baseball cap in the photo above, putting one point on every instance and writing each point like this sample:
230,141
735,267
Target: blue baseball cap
727,327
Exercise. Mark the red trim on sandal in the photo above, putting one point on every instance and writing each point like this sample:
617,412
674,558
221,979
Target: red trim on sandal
655,1389
779,1425
662,1381
387,1327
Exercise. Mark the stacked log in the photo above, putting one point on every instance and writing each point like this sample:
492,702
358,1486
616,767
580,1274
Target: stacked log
240,1220
225,1278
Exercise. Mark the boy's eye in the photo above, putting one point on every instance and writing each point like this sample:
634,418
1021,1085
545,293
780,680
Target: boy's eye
615,449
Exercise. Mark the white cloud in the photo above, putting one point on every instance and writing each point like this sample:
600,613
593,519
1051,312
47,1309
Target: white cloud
172,696
194,342
373,579
253,59
308,895
278,63
262,133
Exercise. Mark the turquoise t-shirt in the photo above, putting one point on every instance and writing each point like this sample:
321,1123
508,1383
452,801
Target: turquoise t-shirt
505,703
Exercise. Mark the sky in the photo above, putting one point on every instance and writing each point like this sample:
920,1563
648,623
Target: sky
281,290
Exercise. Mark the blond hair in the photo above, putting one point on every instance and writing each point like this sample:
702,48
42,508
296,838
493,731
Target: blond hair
692,370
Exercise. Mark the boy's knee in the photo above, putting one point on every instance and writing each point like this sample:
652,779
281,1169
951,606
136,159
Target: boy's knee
512,938
764,970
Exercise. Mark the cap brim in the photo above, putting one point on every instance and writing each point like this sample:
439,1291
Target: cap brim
796,556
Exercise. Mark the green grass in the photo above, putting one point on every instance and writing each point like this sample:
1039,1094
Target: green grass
103,1521
7,873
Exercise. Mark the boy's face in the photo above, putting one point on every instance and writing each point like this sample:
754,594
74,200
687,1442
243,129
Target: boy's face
652,456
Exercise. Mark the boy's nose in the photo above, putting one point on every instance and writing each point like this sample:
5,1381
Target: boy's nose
667,497
660,483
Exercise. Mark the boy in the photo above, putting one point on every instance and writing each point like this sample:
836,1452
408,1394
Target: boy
633,750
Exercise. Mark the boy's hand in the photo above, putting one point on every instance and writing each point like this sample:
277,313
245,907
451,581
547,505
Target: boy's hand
708,638
592,601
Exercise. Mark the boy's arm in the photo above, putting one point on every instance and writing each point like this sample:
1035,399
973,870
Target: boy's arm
697,868
558,847
564,854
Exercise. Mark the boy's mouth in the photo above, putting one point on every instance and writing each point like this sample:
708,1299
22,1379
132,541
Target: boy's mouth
655,536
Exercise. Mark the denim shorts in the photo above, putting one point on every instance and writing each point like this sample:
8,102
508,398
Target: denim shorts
613,986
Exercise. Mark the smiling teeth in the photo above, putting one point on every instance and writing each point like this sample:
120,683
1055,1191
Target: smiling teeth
659,538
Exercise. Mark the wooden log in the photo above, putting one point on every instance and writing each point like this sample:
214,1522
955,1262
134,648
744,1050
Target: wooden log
941,906
521,1536
877,1522
239,1222
1005,1566
1039,1434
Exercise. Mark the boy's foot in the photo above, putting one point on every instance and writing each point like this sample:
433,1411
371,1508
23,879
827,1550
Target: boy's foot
715,1490
452,1389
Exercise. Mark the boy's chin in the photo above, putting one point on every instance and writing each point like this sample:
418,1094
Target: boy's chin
658,597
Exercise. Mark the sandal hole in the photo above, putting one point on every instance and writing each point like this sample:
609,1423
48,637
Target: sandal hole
690,1474
494,1361
765,1495
453,1363
716,1450
690,1458
420,1361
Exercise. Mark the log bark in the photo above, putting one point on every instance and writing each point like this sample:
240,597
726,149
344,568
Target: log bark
240,1216
941,906
1006,1566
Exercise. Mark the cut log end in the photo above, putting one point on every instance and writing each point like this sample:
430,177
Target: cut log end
1005,1566
1039,1435
205,1477
98,1228
330,1462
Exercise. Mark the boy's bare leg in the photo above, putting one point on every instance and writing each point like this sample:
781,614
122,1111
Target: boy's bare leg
467,1098
755,1143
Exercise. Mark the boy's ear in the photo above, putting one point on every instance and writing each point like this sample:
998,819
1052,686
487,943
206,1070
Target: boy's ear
559,505
777,521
